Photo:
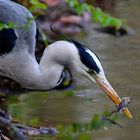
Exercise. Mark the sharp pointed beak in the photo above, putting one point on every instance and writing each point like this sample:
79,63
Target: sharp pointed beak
107,88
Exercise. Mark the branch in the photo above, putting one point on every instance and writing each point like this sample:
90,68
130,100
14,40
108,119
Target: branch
9,129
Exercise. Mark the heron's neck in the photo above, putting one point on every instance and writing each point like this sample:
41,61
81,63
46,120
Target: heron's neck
24,69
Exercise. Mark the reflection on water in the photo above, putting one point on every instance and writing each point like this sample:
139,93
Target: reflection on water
120,58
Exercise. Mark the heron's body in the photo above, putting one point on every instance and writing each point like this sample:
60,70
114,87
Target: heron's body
17,55
20,63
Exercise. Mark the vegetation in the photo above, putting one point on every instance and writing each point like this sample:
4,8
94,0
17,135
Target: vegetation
97,14
81,131
36,5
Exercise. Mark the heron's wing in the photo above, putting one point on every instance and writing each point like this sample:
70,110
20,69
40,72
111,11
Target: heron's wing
13,12
7,40
24,24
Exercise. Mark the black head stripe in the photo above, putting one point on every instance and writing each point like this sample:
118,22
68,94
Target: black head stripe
7,40
85,57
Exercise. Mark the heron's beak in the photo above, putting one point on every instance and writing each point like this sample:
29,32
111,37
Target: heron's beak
107,88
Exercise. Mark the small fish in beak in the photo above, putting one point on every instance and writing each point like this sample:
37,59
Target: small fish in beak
108,89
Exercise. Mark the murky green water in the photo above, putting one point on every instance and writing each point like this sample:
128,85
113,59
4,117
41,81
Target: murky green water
120,58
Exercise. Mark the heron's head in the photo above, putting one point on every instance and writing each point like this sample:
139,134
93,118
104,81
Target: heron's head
91,68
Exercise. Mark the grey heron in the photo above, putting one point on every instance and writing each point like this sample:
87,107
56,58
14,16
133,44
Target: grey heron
17,55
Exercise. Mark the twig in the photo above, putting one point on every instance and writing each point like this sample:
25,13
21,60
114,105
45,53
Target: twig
8,129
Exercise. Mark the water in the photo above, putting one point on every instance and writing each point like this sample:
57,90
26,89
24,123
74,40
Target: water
120,58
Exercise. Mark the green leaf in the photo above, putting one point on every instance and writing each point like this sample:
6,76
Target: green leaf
116,22
37,5
97,14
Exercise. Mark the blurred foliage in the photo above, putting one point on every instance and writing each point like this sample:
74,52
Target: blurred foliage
32,5
83,131
80,131
97,15
21,107
35,4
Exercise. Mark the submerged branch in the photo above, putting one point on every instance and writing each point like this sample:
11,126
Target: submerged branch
16,131
8,129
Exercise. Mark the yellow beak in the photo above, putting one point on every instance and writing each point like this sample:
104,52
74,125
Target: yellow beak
107,88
